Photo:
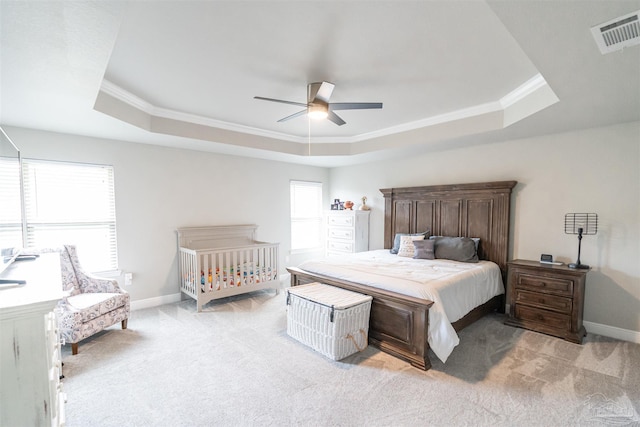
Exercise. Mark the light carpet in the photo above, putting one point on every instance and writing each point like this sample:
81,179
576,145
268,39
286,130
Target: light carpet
234,364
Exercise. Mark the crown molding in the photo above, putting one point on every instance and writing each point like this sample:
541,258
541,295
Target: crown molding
523,91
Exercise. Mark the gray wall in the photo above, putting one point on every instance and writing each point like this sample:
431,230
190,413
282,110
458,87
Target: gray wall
159,189
595,170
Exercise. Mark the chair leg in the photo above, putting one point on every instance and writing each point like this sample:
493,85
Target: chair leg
74,348
124,324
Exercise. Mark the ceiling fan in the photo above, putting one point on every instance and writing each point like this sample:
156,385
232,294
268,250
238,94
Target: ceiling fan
318,105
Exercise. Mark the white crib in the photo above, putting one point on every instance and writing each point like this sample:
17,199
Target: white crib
221,261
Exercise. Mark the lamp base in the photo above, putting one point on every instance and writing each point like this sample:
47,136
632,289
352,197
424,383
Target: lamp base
579,266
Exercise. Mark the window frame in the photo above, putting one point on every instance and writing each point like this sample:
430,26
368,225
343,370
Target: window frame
316,219
51,218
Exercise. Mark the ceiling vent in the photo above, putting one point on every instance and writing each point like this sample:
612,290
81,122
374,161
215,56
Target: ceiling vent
618,33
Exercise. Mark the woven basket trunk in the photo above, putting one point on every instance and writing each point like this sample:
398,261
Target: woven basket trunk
332,331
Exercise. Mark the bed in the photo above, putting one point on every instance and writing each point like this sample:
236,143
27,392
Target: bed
220,261
399,321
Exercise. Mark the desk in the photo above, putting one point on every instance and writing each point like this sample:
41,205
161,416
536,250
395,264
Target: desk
30,365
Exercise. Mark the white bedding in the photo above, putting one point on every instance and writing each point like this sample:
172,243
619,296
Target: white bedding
455,287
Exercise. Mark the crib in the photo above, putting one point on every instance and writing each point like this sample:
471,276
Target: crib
220,261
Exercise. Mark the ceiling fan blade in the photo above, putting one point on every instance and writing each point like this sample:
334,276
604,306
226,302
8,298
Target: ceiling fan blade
335,118
354,105
324,92
293,116
300,104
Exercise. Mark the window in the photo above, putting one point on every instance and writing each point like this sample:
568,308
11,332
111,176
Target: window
68,203
306,215
10,208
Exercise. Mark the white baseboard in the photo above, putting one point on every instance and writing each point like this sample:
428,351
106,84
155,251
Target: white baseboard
594,328
168,299
156,301
612,332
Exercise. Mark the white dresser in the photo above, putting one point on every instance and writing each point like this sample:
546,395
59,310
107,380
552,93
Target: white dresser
30,361
347,232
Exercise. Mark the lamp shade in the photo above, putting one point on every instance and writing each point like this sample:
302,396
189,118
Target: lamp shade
580,224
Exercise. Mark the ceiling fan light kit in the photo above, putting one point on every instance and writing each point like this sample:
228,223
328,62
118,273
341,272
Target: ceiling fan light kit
318,106
318,111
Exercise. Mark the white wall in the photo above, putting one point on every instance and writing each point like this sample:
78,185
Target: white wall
596,170
159,189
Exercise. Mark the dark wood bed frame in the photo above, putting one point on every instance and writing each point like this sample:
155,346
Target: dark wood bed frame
398,323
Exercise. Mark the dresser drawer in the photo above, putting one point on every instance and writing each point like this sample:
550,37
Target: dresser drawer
555,285
340,220
340,233
338,246
540,300
543,317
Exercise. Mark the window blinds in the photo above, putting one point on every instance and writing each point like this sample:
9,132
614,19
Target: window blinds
72,203
10,209
306,215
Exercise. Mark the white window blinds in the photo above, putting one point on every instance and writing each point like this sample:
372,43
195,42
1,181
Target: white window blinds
71,203
10,208
306,215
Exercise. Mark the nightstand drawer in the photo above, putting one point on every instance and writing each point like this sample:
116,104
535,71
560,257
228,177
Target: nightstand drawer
337,246
340,220
340,233
555,285
548,302
543,317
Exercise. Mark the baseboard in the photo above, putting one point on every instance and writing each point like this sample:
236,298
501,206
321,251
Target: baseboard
168,299
594,328
156,301
612,332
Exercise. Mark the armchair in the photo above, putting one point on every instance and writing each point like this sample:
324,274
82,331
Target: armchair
93,303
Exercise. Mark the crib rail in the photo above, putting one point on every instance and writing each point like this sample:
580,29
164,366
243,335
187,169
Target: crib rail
208,274
188,267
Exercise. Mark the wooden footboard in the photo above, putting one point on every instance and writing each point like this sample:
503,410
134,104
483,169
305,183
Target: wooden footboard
398,323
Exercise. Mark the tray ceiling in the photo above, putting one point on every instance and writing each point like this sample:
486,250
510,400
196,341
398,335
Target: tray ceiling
183,73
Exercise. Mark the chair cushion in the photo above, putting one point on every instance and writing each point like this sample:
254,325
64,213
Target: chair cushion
92,305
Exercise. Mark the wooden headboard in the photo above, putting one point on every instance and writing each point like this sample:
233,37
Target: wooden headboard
469,210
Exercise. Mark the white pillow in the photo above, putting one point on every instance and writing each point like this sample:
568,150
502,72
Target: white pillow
406,245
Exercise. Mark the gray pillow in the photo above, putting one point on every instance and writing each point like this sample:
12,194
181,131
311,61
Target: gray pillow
424,249
396,240
476,240
456,249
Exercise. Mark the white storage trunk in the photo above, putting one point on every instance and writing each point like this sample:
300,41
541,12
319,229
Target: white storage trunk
332,321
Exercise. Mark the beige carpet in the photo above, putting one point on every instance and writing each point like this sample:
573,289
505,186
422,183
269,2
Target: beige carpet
234,364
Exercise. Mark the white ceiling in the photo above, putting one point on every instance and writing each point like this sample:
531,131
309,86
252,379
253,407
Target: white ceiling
184,73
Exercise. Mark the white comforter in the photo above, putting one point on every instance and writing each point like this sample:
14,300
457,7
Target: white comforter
455,287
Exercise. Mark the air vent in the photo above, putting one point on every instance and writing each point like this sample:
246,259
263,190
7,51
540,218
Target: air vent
618,33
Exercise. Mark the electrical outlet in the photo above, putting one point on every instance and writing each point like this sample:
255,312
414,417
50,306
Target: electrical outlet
128,279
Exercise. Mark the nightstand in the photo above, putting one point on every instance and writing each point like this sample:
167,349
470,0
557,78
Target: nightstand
546,298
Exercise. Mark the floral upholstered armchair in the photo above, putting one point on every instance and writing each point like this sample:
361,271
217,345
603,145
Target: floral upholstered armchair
92,304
